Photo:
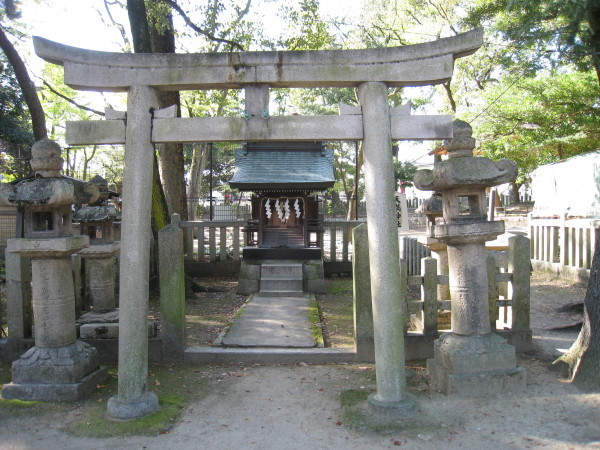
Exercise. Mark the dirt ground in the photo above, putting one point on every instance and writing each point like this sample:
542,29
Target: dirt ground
312,406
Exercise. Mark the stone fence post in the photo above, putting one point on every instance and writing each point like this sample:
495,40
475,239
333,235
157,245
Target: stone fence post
172,290
493,290
363,308
429,317
519,265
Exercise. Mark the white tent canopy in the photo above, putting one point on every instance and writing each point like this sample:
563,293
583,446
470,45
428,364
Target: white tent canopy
570,187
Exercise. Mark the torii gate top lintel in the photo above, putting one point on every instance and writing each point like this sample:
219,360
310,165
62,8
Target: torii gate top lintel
412,65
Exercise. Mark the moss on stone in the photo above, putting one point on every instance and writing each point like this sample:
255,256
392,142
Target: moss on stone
316,324
175,386
352,397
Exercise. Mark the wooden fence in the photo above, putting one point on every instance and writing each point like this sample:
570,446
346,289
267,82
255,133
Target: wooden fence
412,251
509,295
564,247
214,247
337,245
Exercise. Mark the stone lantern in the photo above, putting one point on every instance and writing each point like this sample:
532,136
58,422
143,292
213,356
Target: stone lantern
470,360
58,367
97,222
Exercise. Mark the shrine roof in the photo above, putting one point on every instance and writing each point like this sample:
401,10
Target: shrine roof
281,167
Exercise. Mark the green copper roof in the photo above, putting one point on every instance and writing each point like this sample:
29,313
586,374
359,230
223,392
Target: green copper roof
283,168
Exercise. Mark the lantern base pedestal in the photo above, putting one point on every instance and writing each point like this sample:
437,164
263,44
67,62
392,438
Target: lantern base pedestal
63,374
475,365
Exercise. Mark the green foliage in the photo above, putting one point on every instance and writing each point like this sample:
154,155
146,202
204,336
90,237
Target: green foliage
58,109
555,32
14,117
16,136
528,91
307,31
404,173
541,120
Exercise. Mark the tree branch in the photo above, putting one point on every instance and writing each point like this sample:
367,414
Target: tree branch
450,96
236,22
70,100
127,47
199,30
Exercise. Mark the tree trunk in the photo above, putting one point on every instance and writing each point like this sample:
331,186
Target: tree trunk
140,33
140,30
342,176
170,156
160,218
196,176
583,358
38,118
350,215
515,193
594,24
86,161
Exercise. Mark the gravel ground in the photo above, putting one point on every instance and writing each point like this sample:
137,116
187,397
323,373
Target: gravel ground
298,406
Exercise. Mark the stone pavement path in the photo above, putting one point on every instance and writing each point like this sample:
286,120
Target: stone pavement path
273,321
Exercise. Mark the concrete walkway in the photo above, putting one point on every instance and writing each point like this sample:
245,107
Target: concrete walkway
272,321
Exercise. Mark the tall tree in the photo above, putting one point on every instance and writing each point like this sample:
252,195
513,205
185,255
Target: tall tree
539,120
8,10
558,31
140,31
16,136
170,156
153,31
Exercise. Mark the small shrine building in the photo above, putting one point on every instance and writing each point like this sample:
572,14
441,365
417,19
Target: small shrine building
285,178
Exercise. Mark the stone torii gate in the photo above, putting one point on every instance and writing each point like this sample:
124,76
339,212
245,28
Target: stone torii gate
372,71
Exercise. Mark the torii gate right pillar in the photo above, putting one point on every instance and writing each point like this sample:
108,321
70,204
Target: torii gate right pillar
386,292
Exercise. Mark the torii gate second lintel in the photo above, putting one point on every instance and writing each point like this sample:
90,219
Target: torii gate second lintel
344,127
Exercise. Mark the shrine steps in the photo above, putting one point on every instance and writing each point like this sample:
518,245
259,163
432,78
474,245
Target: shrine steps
281,279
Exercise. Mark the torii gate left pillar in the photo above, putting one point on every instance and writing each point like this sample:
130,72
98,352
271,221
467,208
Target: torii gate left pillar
133,399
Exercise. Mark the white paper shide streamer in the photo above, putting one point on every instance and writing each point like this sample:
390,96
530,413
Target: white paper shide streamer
297,208
279,209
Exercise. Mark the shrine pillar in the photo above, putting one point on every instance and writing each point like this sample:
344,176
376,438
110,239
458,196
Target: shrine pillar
133,399
388,320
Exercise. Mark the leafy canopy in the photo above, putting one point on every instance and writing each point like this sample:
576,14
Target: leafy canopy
541,120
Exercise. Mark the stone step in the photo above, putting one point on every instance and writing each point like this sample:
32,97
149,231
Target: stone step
280,293
280,284
281,271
